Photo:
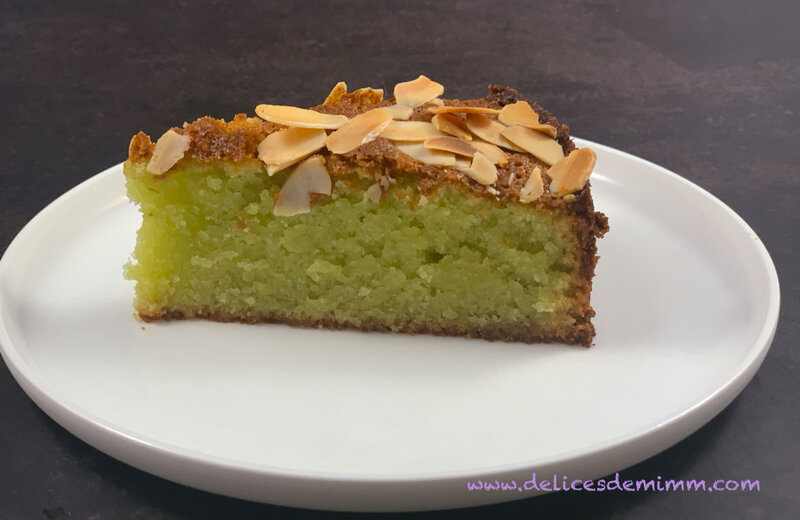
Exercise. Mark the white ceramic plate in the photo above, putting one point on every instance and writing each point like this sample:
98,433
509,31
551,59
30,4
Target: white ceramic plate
687,303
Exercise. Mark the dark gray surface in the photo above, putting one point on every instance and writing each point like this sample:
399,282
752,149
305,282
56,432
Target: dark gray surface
707,89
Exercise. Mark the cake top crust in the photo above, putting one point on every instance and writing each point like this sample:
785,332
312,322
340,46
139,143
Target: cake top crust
503,172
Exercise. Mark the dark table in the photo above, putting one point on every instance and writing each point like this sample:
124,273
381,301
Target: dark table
708,89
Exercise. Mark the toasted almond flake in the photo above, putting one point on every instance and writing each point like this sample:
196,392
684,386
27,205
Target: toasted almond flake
453,125
410,131
571,173
420,153
521,113
272,169
308,177
437,101
548,130
450,144
490,131
337,93
367,96
417,92
463,162
169,149
286,147
293,116
482,170
491,151
360,130
400,112
534,187
373,193
462,110
535,143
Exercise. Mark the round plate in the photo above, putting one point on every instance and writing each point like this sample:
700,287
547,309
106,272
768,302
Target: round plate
687,303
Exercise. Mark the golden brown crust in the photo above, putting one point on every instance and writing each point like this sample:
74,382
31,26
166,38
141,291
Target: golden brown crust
217,140
141,147
579,334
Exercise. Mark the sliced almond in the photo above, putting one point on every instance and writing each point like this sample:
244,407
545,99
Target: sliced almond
462,110
360,130
490,131
293,116
571,173
534,187
272,169
453,125
482,170
491,151
535,143
410,131
367,96
169,149
400,112
286,147
437,101
450,144
308,177
463,162
417,92
521,113
337,93
373,193
426,155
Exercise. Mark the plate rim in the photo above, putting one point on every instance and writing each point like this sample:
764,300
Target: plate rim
74,419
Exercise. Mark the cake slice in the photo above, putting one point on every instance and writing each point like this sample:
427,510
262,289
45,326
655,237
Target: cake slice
414,214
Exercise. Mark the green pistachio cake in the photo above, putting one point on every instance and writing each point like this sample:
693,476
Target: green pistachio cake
414,214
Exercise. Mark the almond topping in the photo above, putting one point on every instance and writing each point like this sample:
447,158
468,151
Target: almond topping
534,187
337,93
437,101
463,162
535,143
360,130
272,169
463,110
373,193
286,147
491,151
308,177
571,173
453,125
426,155
169,149
410,131
481,170
417,92
293,116
367,96
521,113
401,112
450,144
490,131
